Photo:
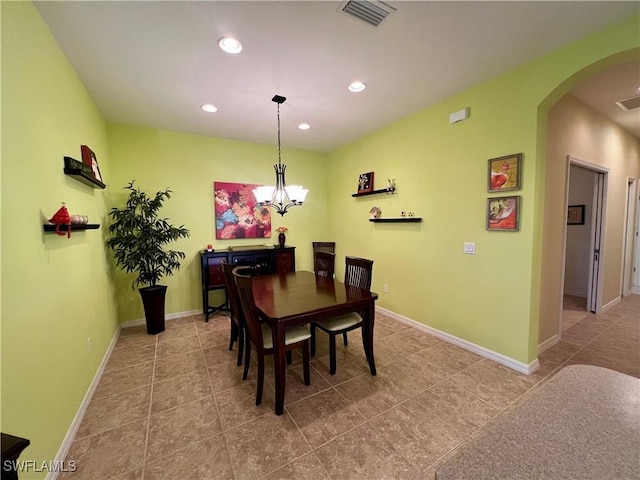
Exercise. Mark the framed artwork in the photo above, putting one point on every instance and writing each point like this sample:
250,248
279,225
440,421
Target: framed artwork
365,182
504,173
89,158
238,215
575,215
503,214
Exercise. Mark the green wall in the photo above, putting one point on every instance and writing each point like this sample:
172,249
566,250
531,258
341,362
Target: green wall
56,292
491,298
189,164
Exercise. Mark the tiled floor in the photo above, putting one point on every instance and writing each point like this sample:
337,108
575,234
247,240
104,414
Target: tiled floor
173,406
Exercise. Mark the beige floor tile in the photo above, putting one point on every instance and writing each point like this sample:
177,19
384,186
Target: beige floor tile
206,460
493,389
179,427
237,405
178,390
178,345
418,435
307,467
124,379
324,416
364,454
110,453
372,395
457,406
109,412
171,366
128,356
445,359
254,455
428,397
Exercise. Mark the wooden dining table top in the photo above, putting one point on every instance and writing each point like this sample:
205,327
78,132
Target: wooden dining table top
289,297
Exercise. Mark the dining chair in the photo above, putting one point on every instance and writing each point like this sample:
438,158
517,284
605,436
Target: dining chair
259,333
329,247
324,265
236,315
357,273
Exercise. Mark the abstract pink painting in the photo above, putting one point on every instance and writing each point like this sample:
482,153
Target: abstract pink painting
237,213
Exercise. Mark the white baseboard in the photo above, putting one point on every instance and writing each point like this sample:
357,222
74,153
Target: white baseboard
171,316
472,347
575,294
75,424
613,302
548,343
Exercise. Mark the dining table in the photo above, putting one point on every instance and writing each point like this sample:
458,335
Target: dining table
286,300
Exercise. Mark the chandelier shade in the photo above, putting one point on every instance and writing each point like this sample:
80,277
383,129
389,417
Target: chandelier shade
280,197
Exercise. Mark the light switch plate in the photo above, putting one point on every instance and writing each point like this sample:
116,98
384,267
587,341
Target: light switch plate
469,248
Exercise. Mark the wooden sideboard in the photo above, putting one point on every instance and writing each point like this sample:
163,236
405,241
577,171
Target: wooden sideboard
263,259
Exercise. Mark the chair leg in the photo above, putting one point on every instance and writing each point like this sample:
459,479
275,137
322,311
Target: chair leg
240,346
313,339
332,354
305,364
289,357
344,338
260,379
247,357
234,334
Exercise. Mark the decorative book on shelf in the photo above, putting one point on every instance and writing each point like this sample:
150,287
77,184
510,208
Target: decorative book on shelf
82,172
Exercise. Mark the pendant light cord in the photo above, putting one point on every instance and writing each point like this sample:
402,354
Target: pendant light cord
279,156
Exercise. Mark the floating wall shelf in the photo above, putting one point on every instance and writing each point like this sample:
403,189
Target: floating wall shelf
48,227
396,220
373,192
81,172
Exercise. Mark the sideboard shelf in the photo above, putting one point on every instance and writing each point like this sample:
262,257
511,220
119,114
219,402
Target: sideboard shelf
81,172
373,192
396,220
49,227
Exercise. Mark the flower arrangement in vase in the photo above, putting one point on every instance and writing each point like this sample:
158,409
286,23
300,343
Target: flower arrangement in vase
281,237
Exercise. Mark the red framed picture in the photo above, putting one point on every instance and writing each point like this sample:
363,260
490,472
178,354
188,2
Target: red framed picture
503,214
89,158
365,182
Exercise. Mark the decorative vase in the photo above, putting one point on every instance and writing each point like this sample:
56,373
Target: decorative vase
153,299
281,239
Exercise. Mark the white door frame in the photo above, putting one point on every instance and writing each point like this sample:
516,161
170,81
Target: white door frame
629,237
570,160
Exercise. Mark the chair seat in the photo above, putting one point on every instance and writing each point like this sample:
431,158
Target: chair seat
291,335
338,324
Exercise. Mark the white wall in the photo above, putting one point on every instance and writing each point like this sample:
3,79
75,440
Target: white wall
578,236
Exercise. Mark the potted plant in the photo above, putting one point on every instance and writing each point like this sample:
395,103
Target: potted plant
138,236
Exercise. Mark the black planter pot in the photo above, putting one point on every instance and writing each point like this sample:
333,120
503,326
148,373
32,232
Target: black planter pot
153,302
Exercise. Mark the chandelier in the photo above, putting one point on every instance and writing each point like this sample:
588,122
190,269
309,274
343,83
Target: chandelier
281,197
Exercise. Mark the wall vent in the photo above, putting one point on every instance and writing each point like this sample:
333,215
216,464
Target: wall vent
629,103
372,13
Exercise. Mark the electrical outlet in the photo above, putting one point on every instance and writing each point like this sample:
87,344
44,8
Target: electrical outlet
385,288
89,343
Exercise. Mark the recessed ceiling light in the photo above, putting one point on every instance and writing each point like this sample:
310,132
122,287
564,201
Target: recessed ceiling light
357,87
304,126
207,107
230,45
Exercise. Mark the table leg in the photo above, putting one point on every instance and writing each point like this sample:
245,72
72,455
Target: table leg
367,336
279,365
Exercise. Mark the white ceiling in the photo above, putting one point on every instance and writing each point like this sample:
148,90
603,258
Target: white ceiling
154,63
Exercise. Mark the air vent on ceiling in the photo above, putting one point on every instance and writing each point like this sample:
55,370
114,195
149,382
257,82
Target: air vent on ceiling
371,13
629,103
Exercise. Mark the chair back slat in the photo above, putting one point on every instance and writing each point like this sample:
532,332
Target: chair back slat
244,287
232,294
358,272
324,247
325,263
